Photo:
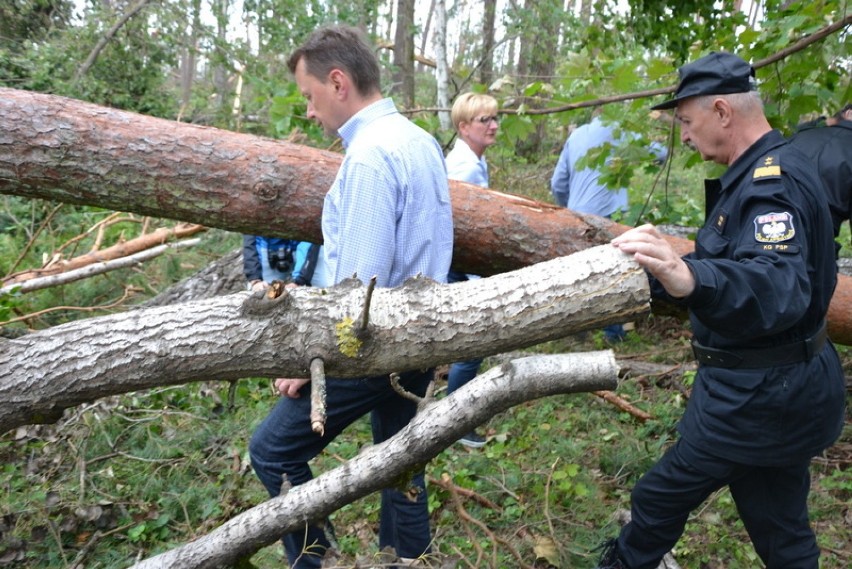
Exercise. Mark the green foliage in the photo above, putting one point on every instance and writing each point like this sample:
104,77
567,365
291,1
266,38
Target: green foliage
9,302
29,225
288,114
677,27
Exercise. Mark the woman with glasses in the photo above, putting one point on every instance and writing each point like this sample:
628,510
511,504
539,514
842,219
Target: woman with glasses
475,120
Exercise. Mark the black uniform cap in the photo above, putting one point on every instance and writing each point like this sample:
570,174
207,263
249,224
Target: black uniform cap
713,74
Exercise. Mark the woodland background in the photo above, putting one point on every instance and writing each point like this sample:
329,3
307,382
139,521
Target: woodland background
127,477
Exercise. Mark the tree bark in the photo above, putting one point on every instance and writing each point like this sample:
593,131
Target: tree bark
442,71
419,325
438,424
70,151
486,70
222,276
403,52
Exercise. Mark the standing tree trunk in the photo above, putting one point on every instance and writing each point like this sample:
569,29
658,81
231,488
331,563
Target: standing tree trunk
65,150
586,11
486,69
427,29
442,73
538,53
187,62
403,53
220,71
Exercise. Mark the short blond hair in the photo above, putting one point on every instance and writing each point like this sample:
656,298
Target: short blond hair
469,105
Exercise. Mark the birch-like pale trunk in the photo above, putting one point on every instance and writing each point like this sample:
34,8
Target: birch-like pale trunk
442,72
418,325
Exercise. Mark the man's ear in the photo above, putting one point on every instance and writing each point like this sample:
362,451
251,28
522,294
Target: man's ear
340,82
722,108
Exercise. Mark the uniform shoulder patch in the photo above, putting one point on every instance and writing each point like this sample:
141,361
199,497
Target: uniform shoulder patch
774,227
767,168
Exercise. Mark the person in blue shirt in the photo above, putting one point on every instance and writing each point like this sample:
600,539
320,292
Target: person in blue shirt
476,122
267,259
387,215
581,189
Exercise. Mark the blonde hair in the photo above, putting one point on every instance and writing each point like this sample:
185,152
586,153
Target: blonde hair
469,105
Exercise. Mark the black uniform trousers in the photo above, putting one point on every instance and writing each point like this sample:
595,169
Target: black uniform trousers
771,501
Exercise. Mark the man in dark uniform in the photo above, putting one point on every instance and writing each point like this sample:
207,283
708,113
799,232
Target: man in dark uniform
828,142
769,392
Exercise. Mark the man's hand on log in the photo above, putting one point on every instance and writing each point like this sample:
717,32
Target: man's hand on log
287,387
650,249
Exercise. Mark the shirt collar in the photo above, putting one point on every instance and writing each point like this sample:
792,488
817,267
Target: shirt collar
364,117
769,141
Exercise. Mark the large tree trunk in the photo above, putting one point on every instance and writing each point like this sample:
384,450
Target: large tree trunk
486,70
403,53
419,325
66,150
437,425
222,276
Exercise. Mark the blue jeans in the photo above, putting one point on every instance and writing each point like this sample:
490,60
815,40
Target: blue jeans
771,501
284,443
614,332
462,372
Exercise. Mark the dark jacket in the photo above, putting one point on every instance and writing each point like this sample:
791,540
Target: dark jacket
764,277
830,147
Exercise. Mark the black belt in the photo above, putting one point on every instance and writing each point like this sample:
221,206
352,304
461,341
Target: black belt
750,358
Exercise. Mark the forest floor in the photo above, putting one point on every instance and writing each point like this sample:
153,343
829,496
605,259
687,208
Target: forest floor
128,477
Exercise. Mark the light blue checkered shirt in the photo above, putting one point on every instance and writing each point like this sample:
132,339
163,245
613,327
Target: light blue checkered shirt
388,211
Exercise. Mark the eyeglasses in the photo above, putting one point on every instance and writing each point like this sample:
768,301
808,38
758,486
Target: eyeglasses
487,120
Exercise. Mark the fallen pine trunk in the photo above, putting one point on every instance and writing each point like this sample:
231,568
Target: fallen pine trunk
66,150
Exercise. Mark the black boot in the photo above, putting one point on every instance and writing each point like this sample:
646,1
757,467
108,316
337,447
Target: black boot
609,556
